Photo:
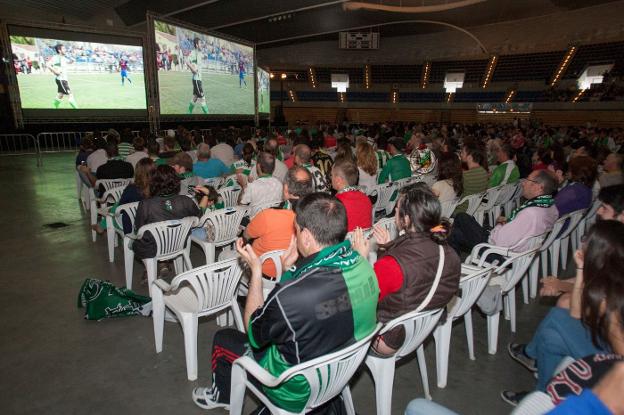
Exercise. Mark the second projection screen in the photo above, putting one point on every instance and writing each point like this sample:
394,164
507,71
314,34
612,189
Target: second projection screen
202,74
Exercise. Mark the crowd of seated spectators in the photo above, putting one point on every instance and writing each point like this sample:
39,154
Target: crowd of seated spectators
318,177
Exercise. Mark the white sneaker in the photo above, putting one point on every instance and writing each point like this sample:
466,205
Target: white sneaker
208,398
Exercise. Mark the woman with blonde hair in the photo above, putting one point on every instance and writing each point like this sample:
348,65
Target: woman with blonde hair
367,164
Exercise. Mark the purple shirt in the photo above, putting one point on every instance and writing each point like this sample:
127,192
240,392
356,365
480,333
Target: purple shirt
573,197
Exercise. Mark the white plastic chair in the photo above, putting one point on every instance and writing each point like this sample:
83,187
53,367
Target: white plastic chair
505,196
327,377
257,208
474,201
114,226
417,325
507,275
276,258
100,206
196,293
543,254
226,224
487,204
229,195
472,283
538,402
130,210
561,244
228,181
586,222
172,242
448,207
214,182
384,193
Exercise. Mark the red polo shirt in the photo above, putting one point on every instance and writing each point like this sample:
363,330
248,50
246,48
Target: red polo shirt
359,209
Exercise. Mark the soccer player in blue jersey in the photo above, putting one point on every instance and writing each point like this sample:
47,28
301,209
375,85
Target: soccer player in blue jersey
241,73
123,69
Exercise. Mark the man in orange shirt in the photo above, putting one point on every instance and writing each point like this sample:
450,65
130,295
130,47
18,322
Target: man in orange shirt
273,229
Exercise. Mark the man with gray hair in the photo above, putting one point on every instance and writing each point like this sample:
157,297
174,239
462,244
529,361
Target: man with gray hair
208,167
535,216
279,172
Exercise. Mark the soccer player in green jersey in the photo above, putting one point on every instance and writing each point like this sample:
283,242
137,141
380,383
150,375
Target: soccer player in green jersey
194,64
58,66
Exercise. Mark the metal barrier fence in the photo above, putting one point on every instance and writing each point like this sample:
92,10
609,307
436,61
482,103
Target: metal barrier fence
19,144
59,141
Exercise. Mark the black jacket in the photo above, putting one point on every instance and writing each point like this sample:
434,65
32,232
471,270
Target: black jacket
158,209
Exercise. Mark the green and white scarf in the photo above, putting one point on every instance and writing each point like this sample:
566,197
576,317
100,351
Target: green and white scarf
543,201
336,256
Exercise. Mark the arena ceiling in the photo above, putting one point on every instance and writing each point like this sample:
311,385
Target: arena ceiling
277,22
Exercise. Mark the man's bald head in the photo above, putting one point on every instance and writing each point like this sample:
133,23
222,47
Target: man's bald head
298,183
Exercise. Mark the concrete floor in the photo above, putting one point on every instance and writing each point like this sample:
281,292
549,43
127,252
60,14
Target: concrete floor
54,361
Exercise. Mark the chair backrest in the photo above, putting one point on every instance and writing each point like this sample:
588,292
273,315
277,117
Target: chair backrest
130,209
417,326
213,285
170,235
214,182
226,222
275,257
229,195
389,225
507,192
554,233
520,262
474,200
448,207
472,283
229,181
400,184
575,218
384,193
108,184
491,197
257,208
590,218
113,194
328,375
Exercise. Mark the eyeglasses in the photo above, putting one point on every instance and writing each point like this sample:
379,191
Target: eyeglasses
530,180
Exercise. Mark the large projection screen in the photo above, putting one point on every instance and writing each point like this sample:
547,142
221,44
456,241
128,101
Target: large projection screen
264,91
72,75
201,74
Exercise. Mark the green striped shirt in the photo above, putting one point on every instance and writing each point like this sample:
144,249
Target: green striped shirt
475,181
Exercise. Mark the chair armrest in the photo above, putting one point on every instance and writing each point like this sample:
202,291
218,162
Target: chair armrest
163,285
253,368
132,235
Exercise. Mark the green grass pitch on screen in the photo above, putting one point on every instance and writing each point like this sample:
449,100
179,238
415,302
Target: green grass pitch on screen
91,91
222,91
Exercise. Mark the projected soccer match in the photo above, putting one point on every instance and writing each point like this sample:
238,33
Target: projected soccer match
264,92
68,74
202,74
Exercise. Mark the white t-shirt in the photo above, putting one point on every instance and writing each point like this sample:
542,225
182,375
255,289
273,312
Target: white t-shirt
96,159
279,173
135,157
262,190
366,180
444,188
